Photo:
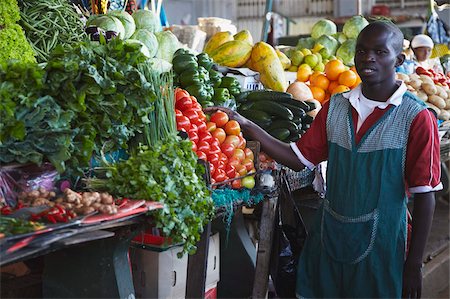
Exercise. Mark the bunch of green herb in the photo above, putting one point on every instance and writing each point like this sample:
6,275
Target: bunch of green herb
111,97
14,226
169,173
48,23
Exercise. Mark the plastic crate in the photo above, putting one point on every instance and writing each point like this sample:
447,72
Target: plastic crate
299,179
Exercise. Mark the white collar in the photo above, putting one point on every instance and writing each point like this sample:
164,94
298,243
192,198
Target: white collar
355,94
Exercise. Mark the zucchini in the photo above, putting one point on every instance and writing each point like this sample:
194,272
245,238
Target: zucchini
307,119
296,110
294,137
265,124
266,95
286,124
245,106
256,115
242,97
274,109
280,134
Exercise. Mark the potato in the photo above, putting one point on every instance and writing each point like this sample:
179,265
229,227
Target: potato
448,94
422,95
437,101
426,79
444,115
415,84
410,88
441,92
430,89
436,109
447,104
405,78
414,77
414,92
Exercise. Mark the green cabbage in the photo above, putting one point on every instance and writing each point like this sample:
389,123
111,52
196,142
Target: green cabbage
322,27
347,52
108,23
330,44
340,37
354,26
160,65
146,19
167,45
305,43
148,38
127,22
143,48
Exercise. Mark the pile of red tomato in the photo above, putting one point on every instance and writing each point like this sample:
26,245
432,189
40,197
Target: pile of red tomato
216,139
438,78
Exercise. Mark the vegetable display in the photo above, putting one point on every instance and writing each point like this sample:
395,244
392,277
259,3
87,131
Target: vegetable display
49,23
13,226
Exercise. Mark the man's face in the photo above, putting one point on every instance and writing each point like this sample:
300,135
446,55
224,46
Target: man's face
375,58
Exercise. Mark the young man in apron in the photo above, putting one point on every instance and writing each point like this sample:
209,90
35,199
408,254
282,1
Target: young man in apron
380,141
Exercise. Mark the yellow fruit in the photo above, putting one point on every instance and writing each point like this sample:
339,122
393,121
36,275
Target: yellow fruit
234,53
292,68
334,68
217,40
303,73
269,66
285,61
319,67
311,60
317,48
306,51
297,57
244,36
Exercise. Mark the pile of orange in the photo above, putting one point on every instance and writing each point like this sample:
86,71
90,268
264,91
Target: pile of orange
336,78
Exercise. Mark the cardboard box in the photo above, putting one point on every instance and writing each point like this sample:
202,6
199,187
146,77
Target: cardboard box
158,274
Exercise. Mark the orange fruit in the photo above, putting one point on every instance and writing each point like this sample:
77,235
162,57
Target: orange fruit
303,73
318,93
347,78
332,85
334,68
353,68
358,81
339,89
314,74
320,81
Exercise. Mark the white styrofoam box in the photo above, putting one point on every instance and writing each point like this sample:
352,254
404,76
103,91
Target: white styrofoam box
212,268
159,274
248,79
291,77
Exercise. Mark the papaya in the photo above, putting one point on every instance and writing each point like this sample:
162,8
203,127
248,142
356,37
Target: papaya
266,62
285,61
217,40
234,53
244,36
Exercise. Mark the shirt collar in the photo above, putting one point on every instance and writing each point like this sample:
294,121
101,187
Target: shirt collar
355,94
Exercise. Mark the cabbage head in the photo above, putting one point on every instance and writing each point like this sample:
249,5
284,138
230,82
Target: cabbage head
108,23
146,19
167,45
305,43
347,52
149,40
127,21
330,44
354,26
135,43
340,37
322,27
160,65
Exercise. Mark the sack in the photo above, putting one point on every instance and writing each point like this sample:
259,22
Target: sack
288,240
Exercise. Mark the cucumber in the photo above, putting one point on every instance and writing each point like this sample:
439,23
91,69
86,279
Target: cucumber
265,124
307,119
274,109
285,124
280,134
242,97
296,110
256,115
294,137
265,95
245,106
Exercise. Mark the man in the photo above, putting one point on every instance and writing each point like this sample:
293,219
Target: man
379,141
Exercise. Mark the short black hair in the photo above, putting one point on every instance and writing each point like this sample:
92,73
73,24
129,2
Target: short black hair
396,36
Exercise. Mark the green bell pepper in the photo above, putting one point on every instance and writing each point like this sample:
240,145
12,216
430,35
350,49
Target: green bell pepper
215,78
189,77
203,74
221,95
205,61
180,51
199,91
184,62
232,84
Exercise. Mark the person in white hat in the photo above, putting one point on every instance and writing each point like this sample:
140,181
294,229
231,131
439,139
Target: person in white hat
422,45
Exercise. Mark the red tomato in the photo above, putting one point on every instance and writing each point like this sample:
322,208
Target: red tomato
197,121
249,154
236,184
191,114
212,169
194,146
248,164
201,115
220,134
232,128
233,139
178,113
183,123
202,127
203,146
194,100
233,161
230,170
214,147
227,149
221,165
193,136
220,118
206,136
242,142
238,154
183,103
180,93
241,169
201,155
213,159
211,126
196,106
220,175
223,158
193,129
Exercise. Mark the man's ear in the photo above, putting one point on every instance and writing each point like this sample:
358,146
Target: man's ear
400,59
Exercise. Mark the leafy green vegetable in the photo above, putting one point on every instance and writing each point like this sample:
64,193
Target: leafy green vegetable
148,38
9,12
167,172
322,27
127,21
353,26
146,19
168,44
347,52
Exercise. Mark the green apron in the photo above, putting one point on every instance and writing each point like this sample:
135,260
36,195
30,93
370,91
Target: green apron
356,247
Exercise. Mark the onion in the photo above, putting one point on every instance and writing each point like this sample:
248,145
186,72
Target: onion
300,91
